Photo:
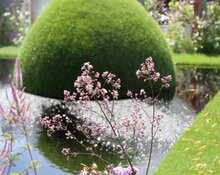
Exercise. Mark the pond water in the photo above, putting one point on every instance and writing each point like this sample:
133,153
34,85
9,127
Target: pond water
197,85
194,90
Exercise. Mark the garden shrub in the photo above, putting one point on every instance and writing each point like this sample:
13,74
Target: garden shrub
114,36
187,33
15,21
180,17
5,27
210,30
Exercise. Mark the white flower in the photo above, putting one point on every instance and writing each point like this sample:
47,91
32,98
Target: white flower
6,14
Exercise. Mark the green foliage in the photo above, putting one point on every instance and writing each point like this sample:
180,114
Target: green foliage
15,23
178,39
210,32
179,27
186,33
113,36
197,151
183,11
5,28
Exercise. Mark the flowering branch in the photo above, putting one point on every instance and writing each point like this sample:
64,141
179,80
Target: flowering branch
88,88
18,116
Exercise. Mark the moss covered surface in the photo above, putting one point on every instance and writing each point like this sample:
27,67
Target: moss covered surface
198,150
9,52
112,35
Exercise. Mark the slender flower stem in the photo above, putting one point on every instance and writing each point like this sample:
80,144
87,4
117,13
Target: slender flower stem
11,148
28,145
22,117
118,139
151,149
92,152
152,131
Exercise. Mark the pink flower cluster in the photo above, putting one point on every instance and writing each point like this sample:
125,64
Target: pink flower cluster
91,129
19,112
88,85
18,116
124,171
66,151
112,171
166,80
156,120
134,124
55,123
147,71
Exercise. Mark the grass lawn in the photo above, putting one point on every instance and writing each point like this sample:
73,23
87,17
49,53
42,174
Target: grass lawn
196,60
198,150
9,52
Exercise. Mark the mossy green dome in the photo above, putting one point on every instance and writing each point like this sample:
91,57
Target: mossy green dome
113,35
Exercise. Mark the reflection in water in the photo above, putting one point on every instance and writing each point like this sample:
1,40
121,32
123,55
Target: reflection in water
198,86
51,148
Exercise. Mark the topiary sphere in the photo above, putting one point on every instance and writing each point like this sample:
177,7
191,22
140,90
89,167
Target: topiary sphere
113,35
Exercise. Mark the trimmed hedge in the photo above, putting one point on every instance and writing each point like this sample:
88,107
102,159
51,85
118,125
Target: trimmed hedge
114,35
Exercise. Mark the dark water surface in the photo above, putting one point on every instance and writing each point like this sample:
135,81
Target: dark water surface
197,85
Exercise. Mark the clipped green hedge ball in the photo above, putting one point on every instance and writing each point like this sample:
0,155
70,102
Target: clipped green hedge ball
113,35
